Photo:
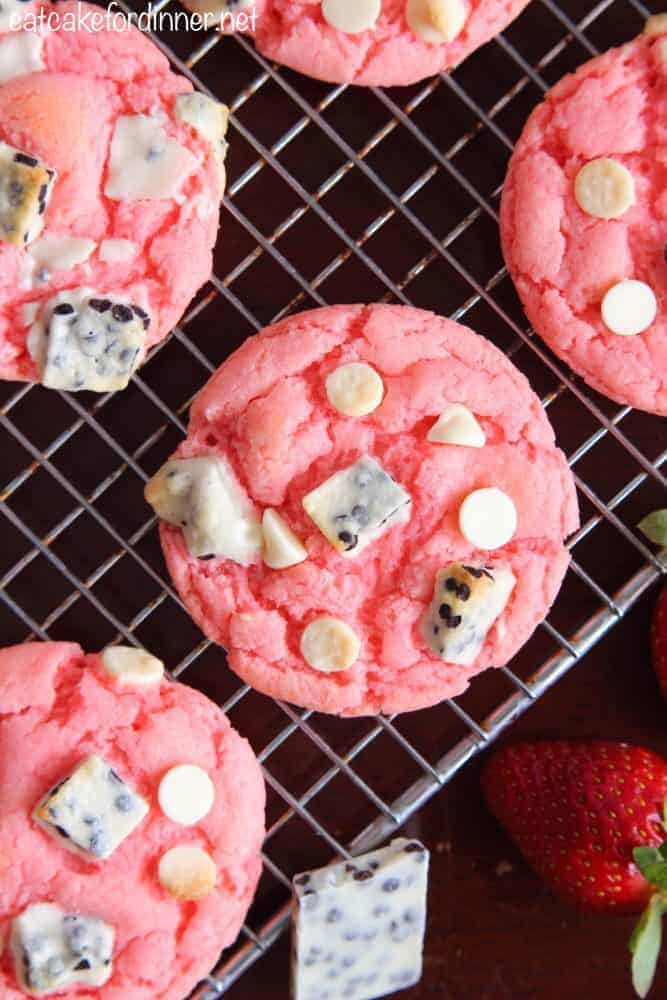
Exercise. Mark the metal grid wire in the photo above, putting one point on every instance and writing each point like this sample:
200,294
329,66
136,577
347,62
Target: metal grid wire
337,194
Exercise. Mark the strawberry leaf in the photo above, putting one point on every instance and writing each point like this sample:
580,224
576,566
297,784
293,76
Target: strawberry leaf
645,946
645,856
654,526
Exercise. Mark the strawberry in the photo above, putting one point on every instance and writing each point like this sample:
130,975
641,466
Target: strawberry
590,819
659,641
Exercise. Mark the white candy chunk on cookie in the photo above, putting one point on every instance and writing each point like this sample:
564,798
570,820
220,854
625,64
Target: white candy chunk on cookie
357,505
457,425
358,926
329,645
355,390
629,308
186,794
83,339
187,873
467,600
12,13
209,119
144,162
604,188
351,16
132,667
436,21
20,53
117,251
656,25
282,548
61,253
92,811
203,496
25,189
55,951
488,518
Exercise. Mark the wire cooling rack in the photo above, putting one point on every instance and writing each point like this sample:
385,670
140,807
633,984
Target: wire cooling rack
336,195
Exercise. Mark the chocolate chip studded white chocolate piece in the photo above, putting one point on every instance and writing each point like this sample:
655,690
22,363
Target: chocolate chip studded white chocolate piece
186,794
351,16
356,505
54,951
84,339
355,390
92,811
203,496
282,548
209,119
436,21
358,926
145,162
604,188
25,189
629,308
467,600
488,518
329,645
457,425
187,873
131,667
20,53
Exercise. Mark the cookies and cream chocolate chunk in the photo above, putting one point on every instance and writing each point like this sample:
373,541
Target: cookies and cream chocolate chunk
357,505
25,189
467,600
209,119
204,497
457,425
55,951
83,339
132,667
359,926
145,162
92,811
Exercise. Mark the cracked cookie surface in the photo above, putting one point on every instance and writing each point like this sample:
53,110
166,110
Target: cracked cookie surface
584,222
267,414
61,707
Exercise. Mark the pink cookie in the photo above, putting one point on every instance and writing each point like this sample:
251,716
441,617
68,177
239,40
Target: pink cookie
164,923
584,221
371,42
114,198
281,417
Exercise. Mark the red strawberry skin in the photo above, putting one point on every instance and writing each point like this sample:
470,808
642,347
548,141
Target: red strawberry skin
576,811
659,641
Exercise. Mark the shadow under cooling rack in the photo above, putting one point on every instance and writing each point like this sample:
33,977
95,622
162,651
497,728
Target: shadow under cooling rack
336,195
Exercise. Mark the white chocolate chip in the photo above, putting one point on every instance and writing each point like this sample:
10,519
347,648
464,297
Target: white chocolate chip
132,667
457,425
117,251
488,518
629,308
351,16
329,645
20,54
436,21
187,873
656,25
61,253
186,794
282,548
355,390
604,188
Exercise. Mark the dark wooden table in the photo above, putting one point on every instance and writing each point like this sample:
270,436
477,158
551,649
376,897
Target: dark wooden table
494,932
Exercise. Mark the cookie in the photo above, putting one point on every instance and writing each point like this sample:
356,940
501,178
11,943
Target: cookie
584,221
376,43
111,174
404,562
132,825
